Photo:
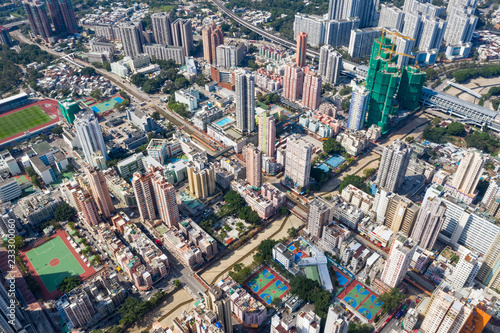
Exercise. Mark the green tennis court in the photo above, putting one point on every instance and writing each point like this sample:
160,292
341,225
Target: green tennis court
22,120
53,262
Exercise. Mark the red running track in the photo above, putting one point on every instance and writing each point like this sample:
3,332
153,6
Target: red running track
50,107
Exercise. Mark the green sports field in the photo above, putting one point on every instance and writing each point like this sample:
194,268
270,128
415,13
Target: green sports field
53,262
22,120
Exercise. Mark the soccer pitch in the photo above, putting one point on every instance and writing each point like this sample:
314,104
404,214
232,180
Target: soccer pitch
22,120
53,262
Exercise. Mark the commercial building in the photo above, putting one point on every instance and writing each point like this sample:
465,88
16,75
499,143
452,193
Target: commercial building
392,169
293,80
162,30
398,261
212,37
429,220
330,64
298,161
90,136
100,191
201,175
300,60
359,104
311,92
9,189
245,101
253,158
141,120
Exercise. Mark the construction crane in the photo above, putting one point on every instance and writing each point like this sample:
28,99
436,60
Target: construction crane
392,51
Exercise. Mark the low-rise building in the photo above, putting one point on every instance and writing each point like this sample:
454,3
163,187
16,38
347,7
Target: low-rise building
9,189
206,116
282,255
265,202
130,165
357,198
353,141
345,213
39,207
188,97
141,120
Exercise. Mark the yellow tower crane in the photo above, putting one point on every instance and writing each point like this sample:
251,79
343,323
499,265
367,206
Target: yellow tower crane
392,51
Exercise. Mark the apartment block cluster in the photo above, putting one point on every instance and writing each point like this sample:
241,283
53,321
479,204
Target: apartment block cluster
265,202
91,302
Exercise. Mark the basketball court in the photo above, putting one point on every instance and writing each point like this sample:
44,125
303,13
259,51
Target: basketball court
268,285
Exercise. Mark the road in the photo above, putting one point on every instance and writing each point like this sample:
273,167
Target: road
13,24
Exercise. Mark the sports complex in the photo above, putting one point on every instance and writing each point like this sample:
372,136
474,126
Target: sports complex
27,120
267,285
54,260
362,300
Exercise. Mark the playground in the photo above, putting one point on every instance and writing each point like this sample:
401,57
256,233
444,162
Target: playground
363,300
298,252
268,285
53,261
107,104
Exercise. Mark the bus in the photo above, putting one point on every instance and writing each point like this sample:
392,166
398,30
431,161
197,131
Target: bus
400,313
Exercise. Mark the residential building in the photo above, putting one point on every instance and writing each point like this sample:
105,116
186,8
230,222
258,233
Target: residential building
141,120
265,202
359,199
333,237
230,55
89,134
39,21
330,64
68,109
144,193
165,200
267,134
76,310
301,49
359,104
253,158
308,322
188,97
212,37
354,141
201,175
466,270
345,213
245,101
131,39
165,52
461,25
5,37
391,17
401,215
398,261
162,30
491,194
160,149
100,191
320,214
381,202
311,93
392,169
429,220
361,41
336,321
298,161
282,255
182,35
293,80
88,208
467,176
68,15
38,207
445,312
130,165
220,304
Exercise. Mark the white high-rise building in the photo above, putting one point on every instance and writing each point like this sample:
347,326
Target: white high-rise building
162,29
320,214
359,104
432,33
469,172
245,101
428,223
366,10
330,63
308,322
491,193
399,260
461,25
391,17
131,38
393,165
466,270
361,41
336,322
89,134
380,204
298,160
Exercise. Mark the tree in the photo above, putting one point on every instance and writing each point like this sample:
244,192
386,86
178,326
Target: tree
265,248
57,130
292,232
359,328
17,241
69,283
455,128
177,283
88,71
409,139
36,181
96,94
435,121
367,281
156,115
391,299
354,180
64,212
276,302
332,146
30,171
284,211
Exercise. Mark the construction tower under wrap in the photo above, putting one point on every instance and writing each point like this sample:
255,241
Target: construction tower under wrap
391,88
